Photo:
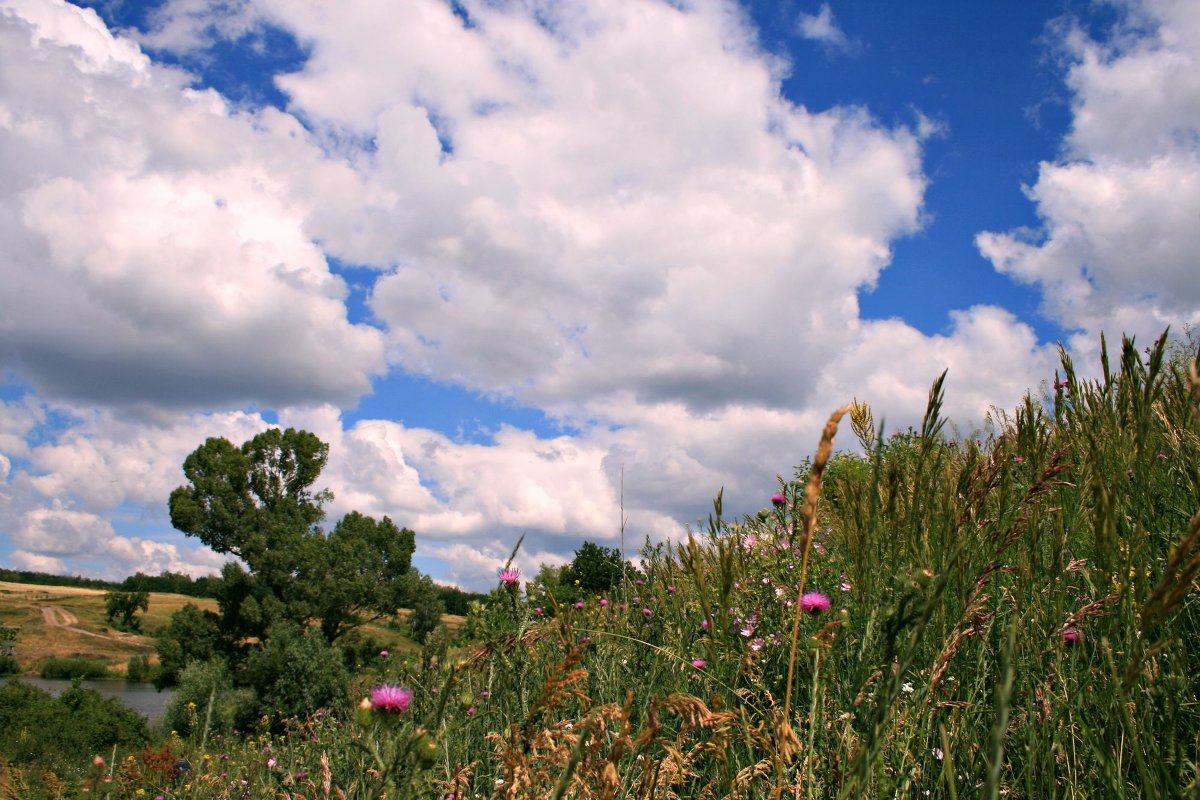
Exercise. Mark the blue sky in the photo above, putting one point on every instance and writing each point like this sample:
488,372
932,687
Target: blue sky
499,254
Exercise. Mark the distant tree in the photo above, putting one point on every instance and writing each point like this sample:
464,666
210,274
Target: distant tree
166,582
456,600
427,609
597,568
126,604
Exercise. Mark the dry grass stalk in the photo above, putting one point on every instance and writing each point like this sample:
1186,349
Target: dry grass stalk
812,494
972,623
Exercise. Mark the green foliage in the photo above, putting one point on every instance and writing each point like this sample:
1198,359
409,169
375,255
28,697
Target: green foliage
257,502
46,579
63,733
205,701
9,665
426,604
554,586
296,673
358,573
71,668
456,600
139,670
126,605
171,583
596,568
191,635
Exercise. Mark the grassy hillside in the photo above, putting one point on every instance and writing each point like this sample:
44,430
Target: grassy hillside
61,622
1010,615
64,622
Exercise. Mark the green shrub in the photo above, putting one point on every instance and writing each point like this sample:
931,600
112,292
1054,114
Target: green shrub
139,670
9,665
63,733
71,668
206,698
296,673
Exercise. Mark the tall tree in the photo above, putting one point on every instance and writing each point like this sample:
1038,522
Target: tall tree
597,568
258,503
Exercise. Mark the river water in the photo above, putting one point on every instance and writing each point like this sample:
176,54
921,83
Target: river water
141,697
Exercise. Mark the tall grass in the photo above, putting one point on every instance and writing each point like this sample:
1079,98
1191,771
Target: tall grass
1010,616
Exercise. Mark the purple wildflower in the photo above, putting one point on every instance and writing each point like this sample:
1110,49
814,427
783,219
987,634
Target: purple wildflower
510,576
778,499
814,603
390,698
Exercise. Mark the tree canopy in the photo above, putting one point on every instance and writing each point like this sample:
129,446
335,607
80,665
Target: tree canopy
597,568
258,503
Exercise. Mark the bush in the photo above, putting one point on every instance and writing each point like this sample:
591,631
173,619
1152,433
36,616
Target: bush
192,635
63,733
139,670
296,673
202,683
72,668
9,665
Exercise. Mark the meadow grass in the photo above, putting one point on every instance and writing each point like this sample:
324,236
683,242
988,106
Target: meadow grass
1009,615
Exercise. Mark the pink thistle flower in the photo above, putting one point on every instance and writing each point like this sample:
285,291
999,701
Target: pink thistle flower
539,611
383,653
471,711
640,582
757,644
1071,635
704,623
1060,384
510,576
647,611
579,604
391,699
670,590
814,603
778,499
698,663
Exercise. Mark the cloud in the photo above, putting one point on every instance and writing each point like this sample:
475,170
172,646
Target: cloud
48,537
153,254
1116,247
605,211
553,233
823,28
90,493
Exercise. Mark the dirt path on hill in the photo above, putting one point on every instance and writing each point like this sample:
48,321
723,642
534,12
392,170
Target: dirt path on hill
61,618
58,617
